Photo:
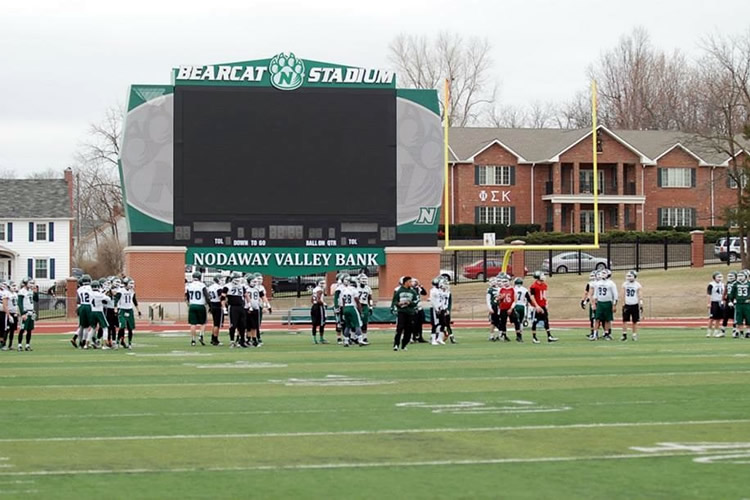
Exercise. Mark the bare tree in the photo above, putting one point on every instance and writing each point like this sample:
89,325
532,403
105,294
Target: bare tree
507,116
575,113
723,116
7,173
50,173
425,63
100,204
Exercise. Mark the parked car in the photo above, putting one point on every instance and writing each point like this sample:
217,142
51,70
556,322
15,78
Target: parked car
48,302
76,272
475,271
733,252
292,284
568,262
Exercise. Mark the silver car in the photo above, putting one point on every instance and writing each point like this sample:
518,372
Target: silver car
567,262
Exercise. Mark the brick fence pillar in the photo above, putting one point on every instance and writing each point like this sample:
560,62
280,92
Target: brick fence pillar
422,263
518,260
71,297
697,248
159,272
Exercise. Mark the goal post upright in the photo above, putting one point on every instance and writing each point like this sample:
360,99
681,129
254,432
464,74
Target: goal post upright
509,249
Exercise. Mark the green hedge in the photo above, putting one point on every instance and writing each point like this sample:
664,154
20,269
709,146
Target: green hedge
672,236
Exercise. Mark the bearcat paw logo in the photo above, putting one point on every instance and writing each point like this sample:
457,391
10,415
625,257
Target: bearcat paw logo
287,71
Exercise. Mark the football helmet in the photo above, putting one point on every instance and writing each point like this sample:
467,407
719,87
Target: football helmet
601,275
717,277
444,285
322,284
13,287
116,283
362,278
131,284
196,276
236,278
504,281
25,281
518,281
741,276
436,281
607,273
731,277
85,279
539,275
631,275
95,285
346,280
592,275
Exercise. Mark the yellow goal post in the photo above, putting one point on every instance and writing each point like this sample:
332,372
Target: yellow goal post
509,249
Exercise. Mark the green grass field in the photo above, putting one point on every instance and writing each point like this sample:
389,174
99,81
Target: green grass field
292,420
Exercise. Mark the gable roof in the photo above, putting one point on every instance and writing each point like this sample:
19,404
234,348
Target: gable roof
546,145
34,199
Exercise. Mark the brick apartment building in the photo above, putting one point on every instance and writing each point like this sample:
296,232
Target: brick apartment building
545,176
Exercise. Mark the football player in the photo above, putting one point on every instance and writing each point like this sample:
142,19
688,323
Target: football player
729,305
418,333
4,312
318,311
740,295
254,305
633,307
125,302
448,302
404,304
28,295
604,303
437,301
365,302
265,304
588,292
350,312
98,318
715,291
12,316
337,306
522,304
83,297
196,296
538,296
237,295
506,303
217,301
491,301
109,310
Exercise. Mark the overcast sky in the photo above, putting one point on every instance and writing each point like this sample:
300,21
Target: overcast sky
63,62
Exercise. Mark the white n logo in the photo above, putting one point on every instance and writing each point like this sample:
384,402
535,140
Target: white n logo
426,215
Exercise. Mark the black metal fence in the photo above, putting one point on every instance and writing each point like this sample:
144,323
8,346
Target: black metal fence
50,306
479,265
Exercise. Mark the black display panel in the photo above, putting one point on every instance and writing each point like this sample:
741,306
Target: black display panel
260,156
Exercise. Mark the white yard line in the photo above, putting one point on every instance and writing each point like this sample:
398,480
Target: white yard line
364,465
410,381
439,430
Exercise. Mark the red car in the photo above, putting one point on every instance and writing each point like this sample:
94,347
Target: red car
475,271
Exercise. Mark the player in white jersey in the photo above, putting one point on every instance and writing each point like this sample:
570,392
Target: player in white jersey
83,297
521,309
12,316
4,313
125,302
196,295
350,306
28,295
448,301
437,301
604,304
98,319
365,301
254,305
715,292
109,287
318,311
217,302
588,293
633,307
264,306
337,306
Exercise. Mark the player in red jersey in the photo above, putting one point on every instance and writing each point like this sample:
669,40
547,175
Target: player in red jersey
538,292
506,304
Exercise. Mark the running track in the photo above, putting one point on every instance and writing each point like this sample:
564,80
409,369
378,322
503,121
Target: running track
57,327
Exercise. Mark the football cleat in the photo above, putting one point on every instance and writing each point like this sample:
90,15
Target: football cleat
534,340
550,338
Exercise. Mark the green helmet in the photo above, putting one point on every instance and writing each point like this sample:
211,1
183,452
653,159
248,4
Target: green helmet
196,276
95,284
731,276
518,281
86,279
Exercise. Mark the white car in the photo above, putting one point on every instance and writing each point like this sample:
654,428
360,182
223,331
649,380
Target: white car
448,274
567,262
733,253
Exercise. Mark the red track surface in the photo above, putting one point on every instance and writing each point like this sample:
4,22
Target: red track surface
56,327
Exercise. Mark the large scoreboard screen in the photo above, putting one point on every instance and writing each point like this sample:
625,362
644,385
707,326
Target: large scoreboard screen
256,166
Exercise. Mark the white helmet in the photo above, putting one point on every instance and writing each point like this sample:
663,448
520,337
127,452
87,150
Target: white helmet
362,278
631,275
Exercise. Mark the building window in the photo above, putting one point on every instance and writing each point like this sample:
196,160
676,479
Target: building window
732,179
41,231
2,231
494,175
494,215
676,177
677,217
41,268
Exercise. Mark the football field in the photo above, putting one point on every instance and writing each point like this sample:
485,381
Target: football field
665,417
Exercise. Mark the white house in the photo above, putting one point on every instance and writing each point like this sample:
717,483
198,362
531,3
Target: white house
36,219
